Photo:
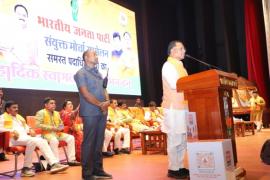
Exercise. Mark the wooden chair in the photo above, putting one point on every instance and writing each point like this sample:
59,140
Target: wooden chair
14,150
31,122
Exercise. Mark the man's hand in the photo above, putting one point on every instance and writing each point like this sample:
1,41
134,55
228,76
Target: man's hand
60,127
32,133
104,106
15,135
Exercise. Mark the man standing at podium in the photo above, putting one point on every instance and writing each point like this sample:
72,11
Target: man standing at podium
175,108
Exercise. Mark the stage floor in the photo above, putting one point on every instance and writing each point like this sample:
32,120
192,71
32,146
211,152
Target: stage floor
154,166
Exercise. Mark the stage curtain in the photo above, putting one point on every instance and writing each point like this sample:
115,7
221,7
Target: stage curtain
256,47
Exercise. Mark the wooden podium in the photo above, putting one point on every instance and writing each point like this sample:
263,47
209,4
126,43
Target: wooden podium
209,95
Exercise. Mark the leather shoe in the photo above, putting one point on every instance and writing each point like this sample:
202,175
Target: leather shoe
3,157
125,151
184,171
176,175
89,178
102,175
74,163
107,154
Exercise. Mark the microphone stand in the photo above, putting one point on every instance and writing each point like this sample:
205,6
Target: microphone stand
204,63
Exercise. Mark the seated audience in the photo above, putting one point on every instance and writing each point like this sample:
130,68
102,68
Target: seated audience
139,113
124,113
52,126
22,135
74,123
136,124
154,117
119,127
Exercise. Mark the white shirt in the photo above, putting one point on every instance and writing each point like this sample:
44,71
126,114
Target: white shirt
16,126
170,74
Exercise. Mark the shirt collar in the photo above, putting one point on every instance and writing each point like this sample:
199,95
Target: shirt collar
93,70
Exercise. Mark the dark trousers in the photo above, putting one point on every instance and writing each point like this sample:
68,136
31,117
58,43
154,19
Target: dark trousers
93,139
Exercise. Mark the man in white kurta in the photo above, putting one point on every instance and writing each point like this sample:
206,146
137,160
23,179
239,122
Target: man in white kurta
14,123
175,108
119,128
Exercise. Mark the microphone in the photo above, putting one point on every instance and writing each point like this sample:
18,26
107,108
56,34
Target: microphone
105,80
204,63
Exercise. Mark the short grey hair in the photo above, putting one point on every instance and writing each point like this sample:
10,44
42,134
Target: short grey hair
171,45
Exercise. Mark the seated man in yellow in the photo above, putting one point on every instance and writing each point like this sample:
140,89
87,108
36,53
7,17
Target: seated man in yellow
257,104
153,116
128,117
22,135
119,127
138,111
51,124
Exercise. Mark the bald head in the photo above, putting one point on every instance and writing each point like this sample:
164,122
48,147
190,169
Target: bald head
90,58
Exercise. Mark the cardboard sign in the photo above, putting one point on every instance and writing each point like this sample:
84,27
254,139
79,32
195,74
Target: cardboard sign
211,159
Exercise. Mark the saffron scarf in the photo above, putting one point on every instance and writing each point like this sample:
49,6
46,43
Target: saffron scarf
55,121
178,65
8,121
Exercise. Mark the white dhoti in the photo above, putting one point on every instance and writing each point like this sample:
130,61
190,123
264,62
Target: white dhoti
174,125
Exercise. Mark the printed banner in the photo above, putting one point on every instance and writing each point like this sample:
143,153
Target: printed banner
42,42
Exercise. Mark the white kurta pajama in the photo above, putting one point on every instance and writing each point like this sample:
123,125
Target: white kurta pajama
175,108
115,117
30,142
